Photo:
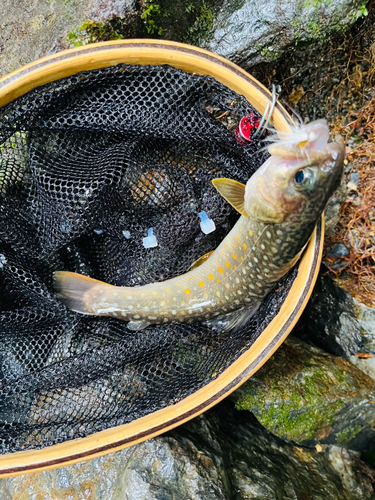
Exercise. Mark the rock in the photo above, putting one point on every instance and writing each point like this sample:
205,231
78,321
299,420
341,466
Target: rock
41,27
251,31
331,214
366,319
221,455
244,31
308,396
329,320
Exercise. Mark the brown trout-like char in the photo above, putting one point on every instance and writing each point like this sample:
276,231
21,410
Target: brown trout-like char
279,207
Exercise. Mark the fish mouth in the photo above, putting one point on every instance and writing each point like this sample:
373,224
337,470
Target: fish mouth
336,154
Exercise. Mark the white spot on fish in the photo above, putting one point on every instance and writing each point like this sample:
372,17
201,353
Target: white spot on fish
130,307
174,312
146,308
136,316
124,314
268,234
262,246
239,292
265,257
152,317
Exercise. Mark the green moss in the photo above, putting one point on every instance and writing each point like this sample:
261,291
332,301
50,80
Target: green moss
301,391
187,21
292,414
91,31
202,26
317,28
344,437
151,12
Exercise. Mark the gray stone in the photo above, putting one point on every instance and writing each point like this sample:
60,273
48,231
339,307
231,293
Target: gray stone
329,320
221,455
32,29
252,31
366,319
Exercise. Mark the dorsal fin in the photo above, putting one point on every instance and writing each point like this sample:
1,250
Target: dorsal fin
233,192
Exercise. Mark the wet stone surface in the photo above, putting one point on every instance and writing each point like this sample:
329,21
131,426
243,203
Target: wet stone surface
329,320
221,455
251,31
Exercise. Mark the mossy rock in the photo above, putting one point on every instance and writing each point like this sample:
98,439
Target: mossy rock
303,393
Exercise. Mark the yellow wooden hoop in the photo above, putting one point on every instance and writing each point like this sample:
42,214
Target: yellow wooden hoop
193,60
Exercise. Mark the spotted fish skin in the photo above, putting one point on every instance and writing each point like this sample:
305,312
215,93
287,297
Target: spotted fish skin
280,214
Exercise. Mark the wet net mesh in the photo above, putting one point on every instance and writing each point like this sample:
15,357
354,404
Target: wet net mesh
88,165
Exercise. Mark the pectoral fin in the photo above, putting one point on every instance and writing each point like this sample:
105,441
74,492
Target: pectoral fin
234,320
233,192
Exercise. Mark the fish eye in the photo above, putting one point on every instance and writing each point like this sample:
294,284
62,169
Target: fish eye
299,177
304,179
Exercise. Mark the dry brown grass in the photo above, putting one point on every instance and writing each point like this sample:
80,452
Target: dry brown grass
356,226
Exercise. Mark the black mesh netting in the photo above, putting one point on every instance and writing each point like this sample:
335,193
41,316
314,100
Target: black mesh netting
88,165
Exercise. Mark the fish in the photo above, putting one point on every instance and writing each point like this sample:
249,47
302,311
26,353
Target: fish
302,140
279,208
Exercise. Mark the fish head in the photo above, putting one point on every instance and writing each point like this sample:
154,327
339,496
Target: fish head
284,188
300,141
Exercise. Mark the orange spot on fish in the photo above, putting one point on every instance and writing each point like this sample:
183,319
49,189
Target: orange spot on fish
244,246
227,264
217,280
242,258
201,283
187,291
234,256
251,233
220,269
210,277
238,238
168,289
235,267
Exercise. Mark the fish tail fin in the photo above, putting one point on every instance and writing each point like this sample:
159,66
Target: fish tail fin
76,291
